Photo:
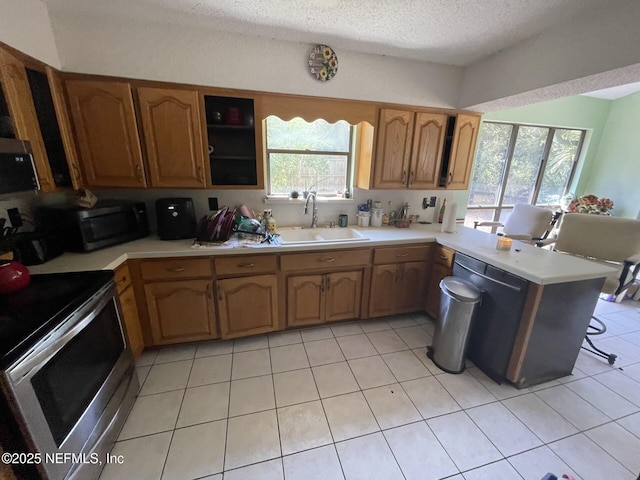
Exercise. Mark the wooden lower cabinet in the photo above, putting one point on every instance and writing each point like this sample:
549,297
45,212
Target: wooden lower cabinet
399,279
181,311
328,297
397,288
247,305
442,266
131,321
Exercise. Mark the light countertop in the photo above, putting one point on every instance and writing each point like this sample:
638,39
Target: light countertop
532,263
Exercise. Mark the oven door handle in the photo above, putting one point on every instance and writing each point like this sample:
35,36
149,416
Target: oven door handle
49,346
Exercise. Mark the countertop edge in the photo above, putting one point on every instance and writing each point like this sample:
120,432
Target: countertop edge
542,267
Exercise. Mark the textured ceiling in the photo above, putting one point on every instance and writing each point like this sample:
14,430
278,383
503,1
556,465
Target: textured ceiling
454,32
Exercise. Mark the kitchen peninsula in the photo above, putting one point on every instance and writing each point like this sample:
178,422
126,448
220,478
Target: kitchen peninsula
563,290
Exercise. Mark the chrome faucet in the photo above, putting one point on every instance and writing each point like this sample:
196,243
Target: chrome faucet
314,220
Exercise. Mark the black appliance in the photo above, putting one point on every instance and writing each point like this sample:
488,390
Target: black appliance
109,222
176,218
34,248
17,170
497,320
67,376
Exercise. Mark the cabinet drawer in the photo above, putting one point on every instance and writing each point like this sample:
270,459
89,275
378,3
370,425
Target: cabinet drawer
122,277
444,256
175,268
233,265
324,260
419,253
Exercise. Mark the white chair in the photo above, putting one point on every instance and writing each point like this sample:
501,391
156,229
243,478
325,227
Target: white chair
614,241
609,240
526,222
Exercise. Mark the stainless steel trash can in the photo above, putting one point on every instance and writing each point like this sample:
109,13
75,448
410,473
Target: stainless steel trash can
458,304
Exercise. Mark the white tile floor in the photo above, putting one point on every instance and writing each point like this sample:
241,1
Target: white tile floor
361,401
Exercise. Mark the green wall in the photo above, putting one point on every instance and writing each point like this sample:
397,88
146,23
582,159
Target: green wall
616,171
572,112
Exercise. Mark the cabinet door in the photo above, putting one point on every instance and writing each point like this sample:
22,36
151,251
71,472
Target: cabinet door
462,151
426,153
181,311
131,321
106,131
393,149
305,300
172,129
438,272
247,305
64,122
382,296
13,77
343,295
412,287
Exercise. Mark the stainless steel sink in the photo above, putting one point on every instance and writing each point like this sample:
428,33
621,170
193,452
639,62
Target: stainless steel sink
290,236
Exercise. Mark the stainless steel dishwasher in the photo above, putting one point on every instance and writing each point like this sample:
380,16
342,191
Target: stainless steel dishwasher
498,317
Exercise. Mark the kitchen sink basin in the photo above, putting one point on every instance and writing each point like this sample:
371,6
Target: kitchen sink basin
290,236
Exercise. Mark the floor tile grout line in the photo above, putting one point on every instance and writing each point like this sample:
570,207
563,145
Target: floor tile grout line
560,413
548,445
226,431
610,390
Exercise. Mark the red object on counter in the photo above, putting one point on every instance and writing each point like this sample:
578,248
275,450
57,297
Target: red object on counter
13,276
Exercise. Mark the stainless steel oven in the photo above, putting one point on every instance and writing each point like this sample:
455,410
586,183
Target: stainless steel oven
71,391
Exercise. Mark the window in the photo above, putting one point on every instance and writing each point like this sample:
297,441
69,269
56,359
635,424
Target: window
520,164
308,156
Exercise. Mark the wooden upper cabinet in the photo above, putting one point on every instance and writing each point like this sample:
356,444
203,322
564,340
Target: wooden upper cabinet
15,83
462,151
64,123
426,154
393,149
172,128
106,131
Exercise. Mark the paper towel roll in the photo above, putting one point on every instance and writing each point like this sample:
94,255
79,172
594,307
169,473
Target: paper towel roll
449,221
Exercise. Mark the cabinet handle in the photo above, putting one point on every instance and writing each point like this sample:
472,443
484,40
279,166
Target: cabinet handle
322,284
404,176
328,283
200,174
328,259
405,254
246,265
411,173
120,282
219,293
210,291
397,274
139,174
443,257
450,178
176,270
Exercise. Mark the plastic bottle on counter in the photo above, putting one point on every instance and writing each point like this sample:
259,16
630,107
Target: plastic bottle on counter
442,209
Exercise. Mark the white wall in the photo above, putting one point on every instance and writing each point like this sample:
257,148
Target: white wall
170,52
600,41
25,25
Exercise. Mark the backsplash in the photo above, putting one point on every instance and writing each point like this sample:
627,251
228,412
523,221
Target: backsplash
286,214
292,214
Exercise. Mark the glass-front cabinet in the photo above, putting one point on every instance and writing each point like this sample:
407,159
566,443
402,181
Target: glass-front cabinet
232,148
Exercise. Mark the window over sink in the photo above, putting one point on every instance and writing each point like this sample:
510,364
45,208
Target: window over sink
309,156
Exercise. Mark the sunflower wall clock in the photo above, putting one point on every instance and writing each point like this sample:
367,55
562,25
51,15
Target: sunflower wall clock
323,63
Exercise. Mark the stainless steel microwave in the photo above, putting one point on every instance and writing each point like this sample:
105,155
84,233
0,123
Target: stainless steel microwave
17,170
109,222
